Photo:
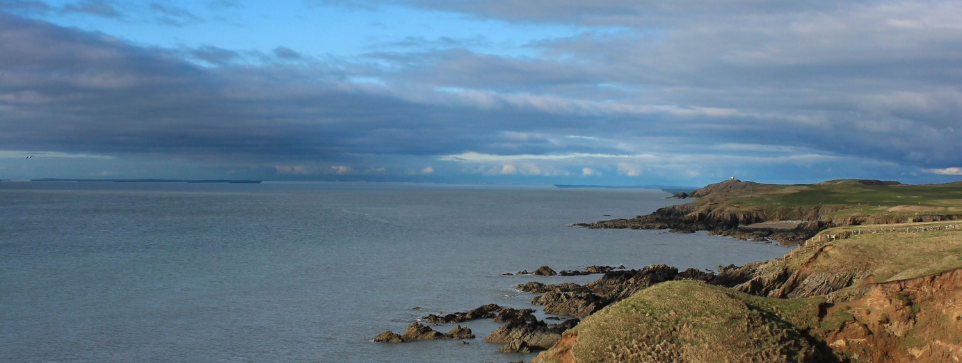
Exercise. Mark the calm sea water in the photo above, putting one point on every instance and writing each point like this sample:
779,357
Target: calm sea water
285,272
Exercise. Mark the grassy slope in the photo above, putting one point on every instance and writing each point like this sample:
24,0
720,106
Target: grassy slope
887,256
695,322
792,201
690,321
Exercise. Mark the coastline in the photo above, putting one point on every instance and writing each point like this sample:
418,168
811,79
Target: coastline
824,284
761,212
829,287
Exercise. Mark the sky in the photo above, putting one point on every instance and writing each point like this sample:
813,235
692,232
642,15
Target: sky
608,92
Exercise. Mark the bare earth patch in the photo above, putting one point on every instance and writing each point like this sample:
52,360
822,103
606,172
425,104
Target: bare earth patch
915,208
775,225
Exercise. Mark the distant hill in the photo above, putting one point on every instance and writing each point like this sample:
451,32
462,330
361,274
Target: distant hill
860,182
227,181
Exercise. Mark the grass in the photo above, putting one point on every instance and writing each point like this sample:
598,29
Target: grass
842,200
691,321
885,256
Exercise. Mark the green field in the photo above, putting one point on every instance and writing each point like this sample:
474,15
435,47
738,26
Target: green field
840,200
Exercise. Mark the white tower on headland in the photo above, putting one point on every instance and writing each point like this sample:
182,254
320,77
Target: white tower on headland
733,177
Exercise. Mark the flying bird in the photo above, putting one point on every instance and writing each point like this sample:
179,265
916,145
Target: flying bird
29,156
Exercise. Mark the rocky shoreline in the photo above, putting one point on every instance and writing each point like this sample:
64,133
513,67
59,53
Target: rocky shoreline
794,276
524,333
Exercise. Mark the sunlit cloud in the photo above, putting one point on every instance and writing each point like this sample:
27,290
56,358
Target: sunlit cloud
944,171
478,157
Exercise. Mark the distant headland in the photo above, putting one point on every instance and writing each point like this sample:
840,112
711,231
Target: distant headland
791,214
203,181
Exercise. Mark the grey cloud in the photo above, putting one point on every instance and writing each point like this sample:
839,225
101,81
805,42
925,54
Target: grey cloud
597,13
464,69
66,90
874,79
286,53
25,6
173,16
872,83
223,4
93,7
424,44
214,55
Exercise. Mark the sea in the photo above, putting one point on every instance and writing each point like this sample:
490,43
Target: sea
300,272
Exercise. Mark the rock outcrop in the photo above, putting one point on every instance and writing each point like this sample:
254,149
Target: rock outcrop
521,337
581,301
389,337
679,195
544,271
510,315
590,270
418,331
535,287
458,333
488,311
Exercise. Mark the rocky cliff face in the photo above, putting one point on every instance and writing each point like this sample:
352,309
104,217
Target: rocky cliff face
915,320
